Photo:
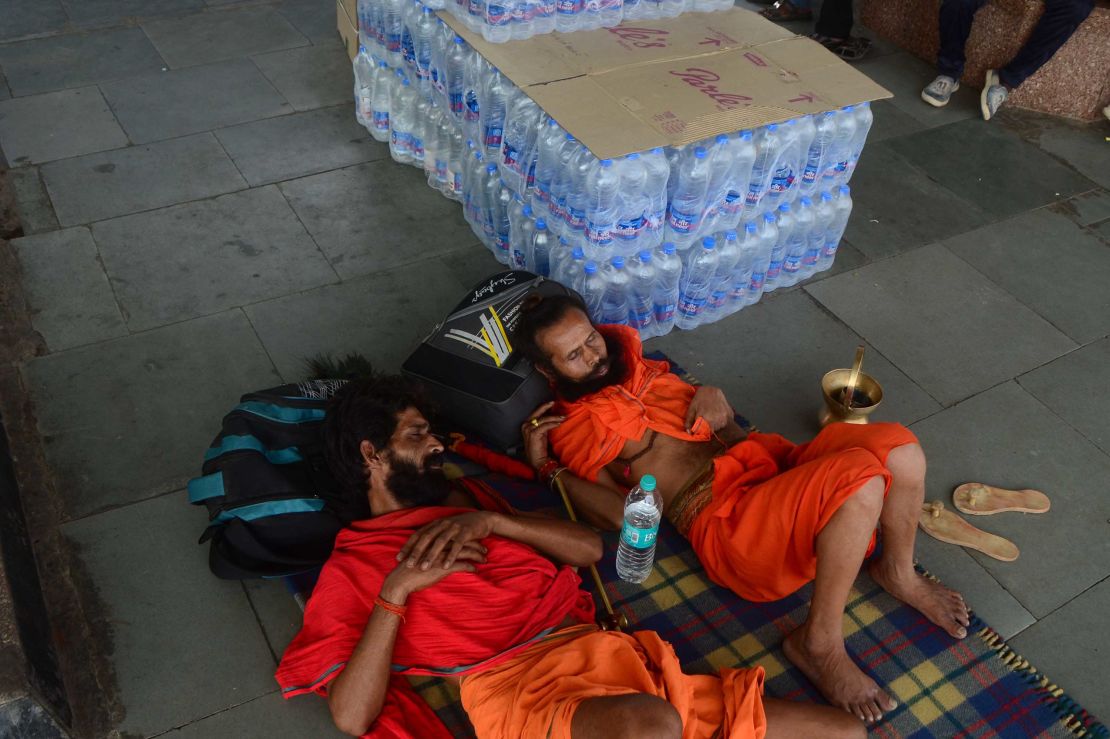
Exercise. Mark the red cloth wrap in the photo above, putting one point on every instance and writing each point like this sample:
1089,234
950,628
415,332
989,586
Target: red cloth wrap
463,623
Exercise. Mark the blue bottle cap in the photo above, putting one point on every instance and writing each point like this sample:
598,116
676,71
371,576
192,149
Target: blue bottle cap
750,227
708,243
668,247
633,156
541,224
657,150
804,200
491,168
722,138
785,207
730,235
606,162
361,48
699,152
647,483
562,240
769,217
527,210
772,127
459,40
848,108
569,137
645,256
577,253
844,189
617,262
590,268
826,196
746,135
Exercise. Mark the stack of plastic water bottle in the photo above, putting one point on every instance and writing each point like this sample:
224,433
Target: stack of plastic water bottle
506,20
672,236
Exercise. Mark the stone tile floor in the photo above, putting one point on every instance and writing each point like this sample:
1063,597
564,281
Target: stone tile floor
201,212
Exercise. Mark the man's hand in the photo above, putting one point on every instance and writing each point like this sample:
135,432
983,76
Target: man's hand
535,431
446,540
709,403
405,579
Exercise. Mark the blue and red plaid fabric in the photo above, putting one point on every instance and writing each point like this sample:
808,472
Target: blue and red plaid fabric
975,687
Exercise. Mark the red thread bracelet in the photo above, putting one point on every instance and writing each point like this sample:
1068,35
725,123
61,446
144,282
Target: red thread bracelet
548,467
396,610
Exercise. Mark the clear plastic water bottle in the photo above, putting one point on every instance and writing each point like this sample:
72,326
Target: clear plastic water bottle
498,21
454,71
814,238
592,289
768,146
687,204
521,229
841,210
739,175
614,306
364,88
473,77
541,249
498,216
728,254
641,283
423,38
696,283
784,219
548,141
842,144
742,272
518,146
797,243
393,18
568,15
567,263
768,238
864,119
664,297
600,188
817,158
401,122
632,204
384,82
655,188
492,112
643,510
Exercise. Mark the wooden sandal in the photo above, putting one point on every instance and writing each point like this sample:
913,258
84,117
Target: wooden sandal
784,11
850,49
977,499
946,526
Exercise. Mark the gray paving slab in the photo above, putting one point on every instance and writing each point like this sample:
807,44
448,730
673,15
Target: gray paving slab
218,35
1082,146
905,75
1006,437
204,257
1074,387
896,207
990,167
942,323
1103,231
192,100
1050,264
269,716
313,18
958,570
5,91
769,359
383,316
130,418
1070,649
847,258
278,614
1086,209
77,59
375,216
68,294
100,13
55,125
300,144
23,18
113,183
890,121
310,76
472,263
36,212
184,644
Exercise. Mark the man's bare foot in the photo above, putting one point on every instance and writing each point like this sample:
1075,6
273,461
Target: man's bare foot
837,677
942,606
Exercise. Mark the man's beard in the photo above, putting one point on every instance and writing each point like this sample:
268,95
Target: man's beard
573,390
412,486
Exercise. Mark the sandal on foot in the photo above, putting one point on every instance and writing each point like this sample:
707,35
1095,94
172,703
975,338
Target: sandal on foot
784,11
850,49
977,499
946,526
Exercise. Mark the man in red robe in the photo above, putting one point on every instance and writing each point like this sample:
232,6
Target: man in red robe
764,516
458,585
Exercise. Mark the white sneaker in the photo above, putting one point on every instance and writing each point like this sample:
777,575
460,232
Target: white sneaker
992,96
939,91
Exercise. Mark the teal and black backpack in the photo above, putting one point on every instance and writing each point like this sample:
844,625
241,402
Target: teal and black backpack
273,506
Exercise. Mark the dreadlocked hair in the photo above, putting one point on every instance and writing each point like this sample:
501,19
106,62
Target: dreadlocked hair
365,410
539,313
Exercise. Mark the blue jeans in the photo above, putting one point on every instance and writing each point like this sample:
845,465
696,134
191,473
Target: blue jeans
1060,19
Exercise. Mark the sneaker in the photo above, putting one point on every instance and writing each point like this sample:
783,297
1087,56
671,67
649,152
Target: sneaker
992,96
940,90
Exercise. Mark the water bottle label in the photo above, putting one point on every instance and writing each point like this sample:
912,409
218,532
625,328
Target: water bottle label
791,264
532,175
441,170
655,220
543,189
717,301
752,198
774,269
639,319
576,218
423,70
810,257
408,51
682,223
457,187
738,291
568,7
497,15
782,180
455,101
493,137
598,233
690,307
830,249
809,176
393,42
758,279
518,259
664,312
638,538
629,228
474,7
508,156
471,106
380,120
502,242
417,146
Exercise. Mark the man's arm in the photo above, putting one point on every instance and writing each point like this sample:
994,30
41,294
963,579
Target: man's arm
357,694
600,503
564,541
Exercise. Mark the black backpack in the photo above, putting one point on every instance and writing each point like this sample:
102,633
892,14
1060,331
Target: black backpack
273,506
469,368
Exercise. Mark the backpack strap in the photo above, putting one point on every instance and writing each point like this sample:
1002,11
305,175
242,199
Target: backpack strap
248,442
206,487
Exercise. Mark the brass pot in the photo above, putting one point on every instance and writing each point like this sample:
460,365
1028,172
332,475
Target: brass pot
833,385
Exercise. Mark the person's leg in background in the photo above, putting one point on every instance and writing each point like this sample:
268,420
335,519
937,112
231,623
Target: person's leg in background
956,17
1055,27
833,30
785,11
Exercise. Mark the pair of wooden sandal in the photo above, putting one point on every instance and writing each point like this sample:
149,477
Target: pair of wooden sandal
976,499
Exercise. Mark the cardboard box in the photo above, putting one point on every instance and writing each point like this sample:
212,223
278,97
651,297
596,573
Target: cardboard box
671,82
348,29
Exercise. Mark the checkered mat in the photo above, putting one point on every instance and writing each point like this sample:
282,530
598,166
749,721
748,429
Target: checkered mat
977,687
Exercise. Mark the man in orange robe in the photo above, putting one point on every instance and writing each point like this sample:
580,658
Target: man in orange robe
457,584
765,516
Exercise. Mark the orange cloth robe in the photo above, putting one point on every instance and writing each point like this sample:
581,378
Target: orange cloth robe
771,498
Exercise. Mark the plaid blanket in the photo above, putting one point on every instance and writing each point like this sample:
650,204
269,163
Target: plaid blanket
977,687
